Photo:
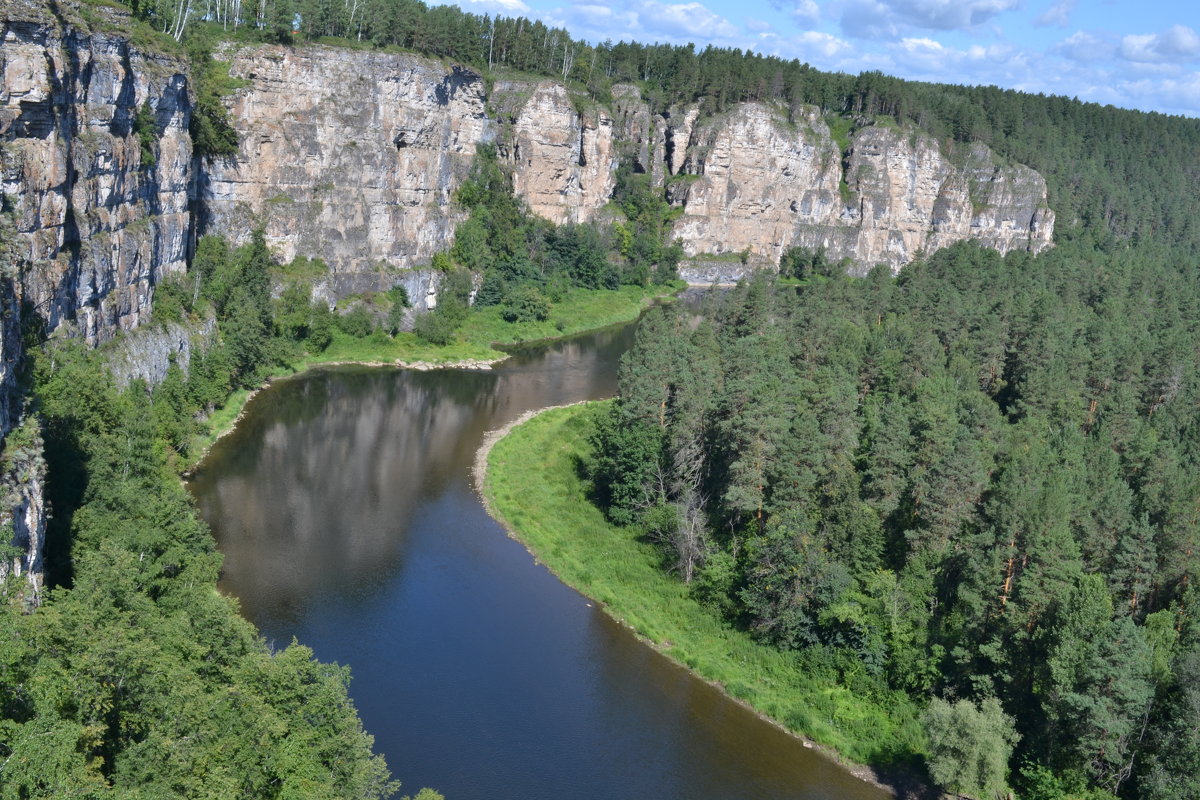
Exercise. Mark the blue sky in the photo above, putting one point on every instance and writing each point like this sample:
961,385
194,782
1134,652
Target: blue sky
1128,53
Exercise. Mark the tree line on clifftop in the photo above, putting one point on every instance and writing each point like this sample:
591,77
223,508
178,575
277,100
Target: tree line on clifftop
977,481
1128,172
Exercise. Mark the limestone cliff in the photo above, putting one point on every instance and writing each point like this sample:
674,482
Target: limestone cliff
563,159
350,156
96,227
90,223
755,180
355,156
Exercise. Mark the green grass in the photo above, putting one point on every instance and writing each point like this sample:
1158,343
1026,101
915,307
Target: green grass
839,131
534,488
581,310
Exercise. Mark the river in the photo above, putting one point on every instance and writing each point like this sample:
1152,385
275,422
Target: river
344,506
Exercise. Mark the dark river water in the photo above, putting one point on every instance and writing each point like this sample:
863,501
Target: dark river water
344,505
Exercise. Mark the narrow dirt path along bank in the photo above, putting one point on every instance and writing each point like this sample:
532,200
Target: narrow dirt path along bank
527,474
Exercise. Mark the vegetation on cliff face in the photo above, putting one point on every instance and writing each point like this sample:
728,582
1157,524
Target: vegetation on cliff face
1125,172
135,676
977,480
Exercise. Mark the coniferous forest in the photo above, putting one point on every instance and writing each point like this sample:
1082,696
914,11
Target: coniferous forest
976,482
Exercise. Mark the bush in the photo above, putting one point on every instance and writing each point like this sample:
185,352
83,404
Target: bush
436,328
358,323
491,290
400,302
146,128
320,328
527,305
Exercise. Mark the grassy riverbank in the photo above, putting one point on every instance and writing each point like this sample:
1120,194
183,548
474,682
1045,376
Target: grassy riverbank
533,486
580,311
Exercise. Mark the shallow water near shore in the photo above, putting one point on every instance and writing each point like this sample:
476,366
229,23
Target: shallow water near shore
344,506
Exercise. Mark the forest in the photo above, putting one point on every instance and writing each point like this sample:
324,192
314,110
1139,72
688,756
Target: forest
135,677
1129,172
976,482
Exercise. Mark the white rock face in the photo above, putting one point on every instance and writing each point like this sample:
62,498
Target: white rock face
749,181
355,157
564,161
96,229
349,156
92,228
755,182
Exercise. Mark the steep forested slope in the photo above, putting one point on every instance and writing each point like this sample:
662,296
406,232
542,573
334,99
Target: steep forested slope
977,480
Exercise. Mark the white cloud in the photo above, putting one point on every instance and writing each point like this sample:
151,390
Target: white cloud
806,13
823,44
1178,44
1181,96
646,21
514,8
1058,14
887,19
1084,47
685,19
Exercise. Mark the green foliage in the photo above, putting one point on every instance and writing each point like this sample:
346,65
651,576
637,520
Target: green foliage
526,304
535,488
136,677
145,127
969,746
211,129
357,322
969,480
438,327
320,328
804,264
400,303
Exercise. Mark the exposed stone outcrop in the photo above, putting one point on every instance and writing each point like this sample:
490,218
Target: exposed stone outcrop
564,160
755,181
148,352
23,509
750,180
91,228
355,157
97,228
349,156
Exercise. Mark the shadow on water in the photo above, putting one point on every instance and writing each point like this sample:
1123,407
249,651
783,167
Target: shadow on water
344,507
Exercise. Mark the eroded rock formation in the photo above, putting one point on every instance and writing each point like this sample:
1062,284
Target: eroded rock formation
349,156
92,223
97,227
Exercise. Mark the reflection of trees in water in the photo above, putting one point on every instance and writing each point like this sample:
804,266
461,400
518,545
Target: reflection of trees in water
314,492
327,477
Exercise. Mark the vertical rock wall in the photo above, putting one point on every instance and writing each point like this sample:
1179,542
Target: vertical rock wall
349,156
88,228
97,228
